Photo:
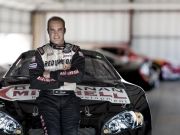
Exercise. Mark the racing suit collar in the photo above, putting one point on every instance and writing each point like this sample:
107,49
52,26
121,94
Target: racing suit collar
56,46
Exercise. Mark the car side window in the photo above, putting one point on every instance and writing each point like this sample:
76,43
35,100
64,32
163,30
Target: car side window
97,69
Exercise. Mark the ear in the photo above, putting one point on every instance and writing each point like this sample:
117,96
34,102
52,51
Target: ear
47,31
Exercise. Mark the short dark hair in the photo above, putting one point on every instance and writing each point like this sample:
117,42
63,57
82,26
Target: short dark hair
55,18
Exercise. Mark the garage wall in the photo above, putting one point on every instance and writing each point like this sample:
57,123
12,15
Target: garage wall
15,33
92,28
157,34
14,21
156,1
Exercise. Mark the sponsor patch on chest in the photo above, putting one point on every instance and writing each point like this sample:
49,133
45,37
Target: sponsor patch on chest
57,62
67,66
67,55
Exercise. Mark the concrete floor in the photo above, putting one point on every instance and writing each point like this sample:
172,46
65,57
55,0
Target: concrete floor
164,102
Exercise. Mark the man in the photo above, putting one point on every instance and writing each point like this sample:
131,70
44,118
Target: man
54,70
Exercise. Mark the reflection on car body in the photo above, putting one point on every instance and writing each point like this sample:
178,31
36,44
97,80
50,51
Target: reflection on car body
110,105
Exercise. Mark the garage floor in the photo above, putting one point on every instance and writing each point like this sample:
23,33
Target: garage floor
164,102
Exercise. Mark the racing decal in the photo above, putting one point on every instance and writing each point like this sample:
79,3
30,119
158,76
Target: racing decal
67,66
111,94
18,92
65,55
103,93
58,47
81,54
75,48
33,59
32,65
45,79
41,51
69,72
57,62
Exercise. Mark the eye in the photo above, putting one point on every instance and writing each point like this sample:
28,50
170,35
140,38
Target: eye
60,29
52,30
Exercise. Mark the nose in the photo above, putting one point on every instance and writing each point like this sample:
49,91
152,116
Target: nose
56,32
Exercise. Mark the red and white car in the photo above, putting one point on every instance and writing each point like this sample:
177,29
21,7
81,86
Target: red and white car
168,70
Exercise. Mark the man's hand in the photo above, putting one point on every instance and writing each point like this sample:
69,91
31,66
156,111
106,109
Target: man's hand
46,74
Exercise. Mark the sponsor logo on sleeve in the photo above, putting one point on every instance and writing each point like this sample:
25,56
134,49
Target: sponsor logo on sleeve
70,72
32,65
41,50
45,79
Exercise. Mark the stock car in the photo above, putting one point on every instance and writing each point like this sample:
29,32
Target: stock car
137,72
110,105
168,69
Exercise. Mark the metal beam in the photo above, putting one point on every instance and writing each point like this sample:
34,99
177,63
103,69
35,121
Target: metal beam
82,6
108,7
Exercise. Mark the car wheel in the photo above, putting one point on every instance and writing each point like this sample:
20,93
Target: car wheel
155,71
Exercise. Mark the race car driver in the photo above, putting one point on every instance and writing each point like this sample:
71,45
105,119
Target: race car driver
55,69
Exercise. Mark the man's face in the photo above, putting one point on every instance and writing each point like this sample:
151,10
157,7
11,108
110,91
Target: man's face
56,32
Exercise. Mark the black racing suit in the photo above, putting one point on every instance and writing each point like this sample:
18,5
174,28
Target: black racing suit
60,114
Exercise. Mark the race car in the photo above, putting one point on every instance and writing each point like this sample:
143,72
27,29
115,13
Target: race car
168,69
110,105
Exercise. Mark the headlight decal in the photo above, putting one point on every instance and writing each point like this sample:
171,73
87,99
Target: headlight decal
122,121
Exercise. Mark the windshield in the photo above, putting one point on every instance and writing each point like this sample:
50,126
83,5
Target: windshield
98,69
95,68
21,68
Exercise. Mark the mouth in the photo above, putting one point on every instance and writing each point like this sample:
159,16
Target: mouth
57,38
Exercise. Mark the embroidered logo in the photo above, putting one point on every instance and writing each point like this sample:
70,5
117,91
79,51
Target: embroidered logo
32,65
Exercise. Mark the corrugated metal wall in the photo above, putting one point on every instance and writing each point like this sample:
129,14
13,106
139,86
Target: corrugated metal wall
157,34
95,27
15,33
157,1
14,21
